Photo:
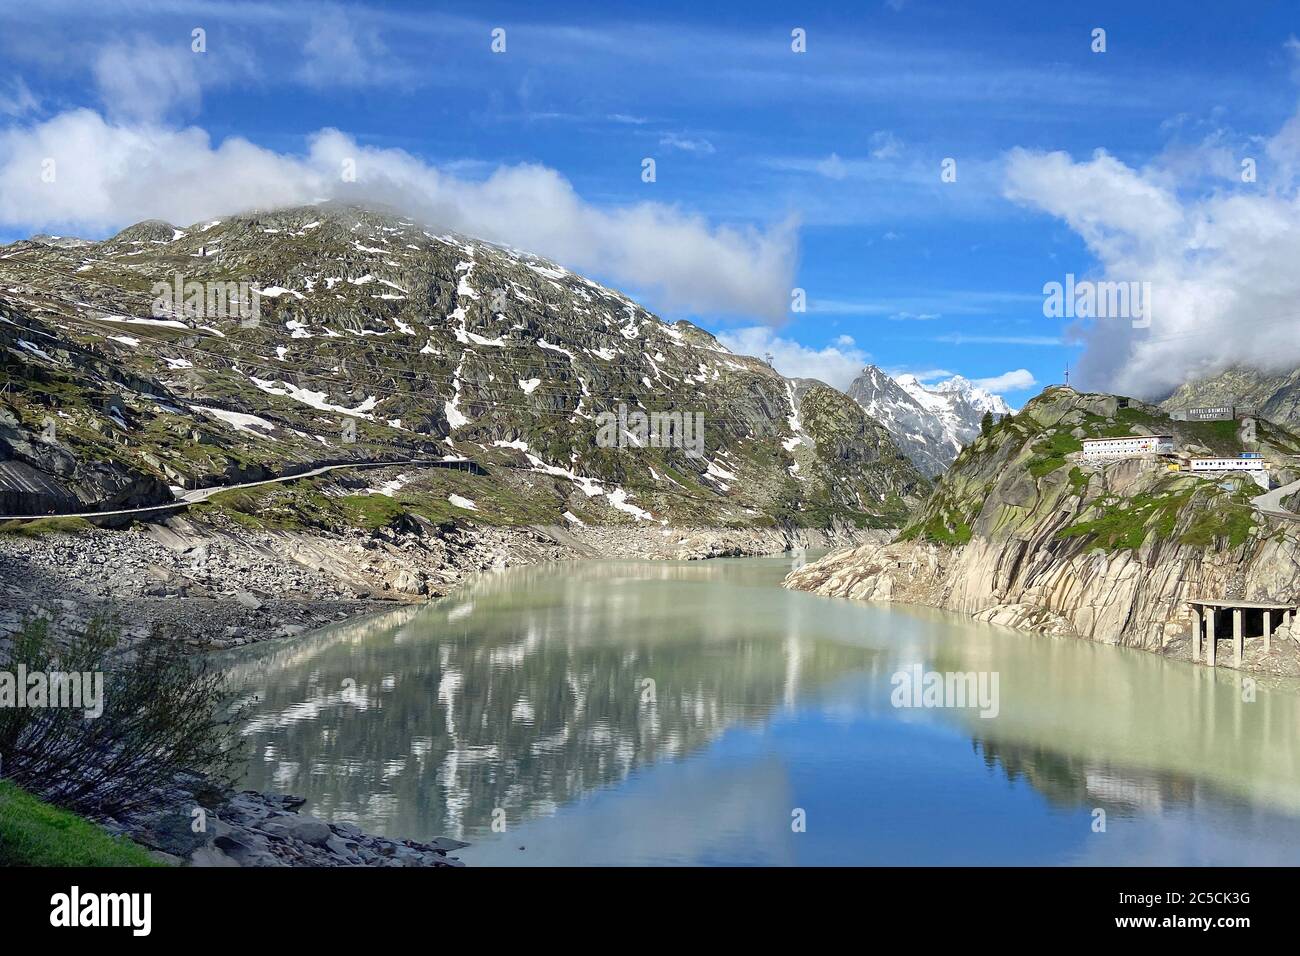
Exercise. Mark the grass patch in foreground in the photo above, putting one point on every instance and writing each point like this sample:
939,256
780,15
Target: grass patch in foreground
41,526
33,833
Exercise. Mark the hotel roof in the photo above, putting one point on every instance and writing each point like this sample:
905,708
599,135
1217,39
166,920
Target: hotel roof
1128,438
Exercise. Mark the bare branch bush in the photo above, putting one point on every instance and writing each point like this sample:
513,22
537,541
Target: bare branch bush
165,718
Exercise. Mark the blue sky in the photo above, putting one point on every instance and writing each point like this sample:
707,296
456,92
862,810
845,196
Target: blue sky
774,169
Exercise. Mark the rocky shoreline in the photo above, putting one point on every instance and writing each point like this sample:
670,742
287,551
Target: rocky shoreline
214,585
217,585
641,542
264,829
1129,600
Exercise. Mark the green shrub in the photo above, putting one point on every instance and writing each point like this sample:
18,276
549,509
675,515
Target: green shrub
1126,523
940,529
163,717
1232,522
1049,455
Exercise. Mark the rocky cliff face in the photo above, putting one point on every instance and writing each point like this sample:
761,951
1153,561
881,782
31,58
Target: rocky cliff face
373,337
930,425
1275,397
1020,532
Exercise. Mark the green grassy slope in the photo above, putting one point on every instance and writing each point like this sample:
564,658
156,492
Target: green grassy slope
33,833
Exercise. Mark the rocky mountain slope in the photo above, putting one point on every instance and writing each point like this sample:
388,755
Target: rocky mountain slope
1022,532
1275,397
931,425
376,338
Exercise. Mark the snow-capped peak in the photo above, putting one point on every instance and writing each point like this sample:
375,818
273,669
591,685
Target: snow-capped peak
926,398
931,423
981,398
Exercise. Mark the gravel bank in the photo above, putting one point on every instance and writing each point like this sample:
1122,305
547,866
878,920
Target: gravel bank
220,585
216,585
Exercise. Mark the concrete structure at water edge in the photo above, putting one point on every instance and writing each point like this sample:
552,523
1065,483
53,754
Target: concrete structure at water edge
1128,447
1210,618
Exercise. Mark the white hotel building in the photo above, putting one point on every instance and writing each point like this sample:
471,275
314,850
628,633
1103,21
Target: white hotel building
1252,467
1128,446
1227,464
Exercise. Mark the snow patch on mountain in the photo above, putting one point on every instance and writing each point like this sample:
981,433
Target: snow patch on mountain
930,423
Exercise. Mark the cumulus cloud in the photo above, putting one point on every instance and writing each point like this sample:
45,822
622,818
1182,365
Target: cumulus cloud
836,365
1016,380
839,364
1219,255
111,173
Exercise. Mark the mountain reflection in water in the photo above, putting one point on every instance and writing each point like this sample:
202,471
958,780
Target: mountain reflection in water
629,712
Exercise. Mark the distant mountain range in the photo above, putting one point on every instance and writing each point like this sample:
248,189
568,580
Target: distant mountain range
931,424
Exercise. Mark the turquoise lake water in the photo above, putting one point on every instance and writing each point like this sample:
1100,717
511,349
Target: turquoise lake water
697,713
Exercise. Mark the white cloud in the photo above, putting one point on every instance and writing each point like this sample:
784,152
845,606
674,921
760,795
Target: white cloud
144,80
1292,47
924,375
673,141
1220,259
16,99
932,304
110,174
832,167
885,145
1016,380
140,80
1110,205
837,365
960,338
343,50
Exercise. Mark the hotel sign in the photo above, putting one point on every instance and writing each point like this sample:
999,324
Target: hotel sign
1216,413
